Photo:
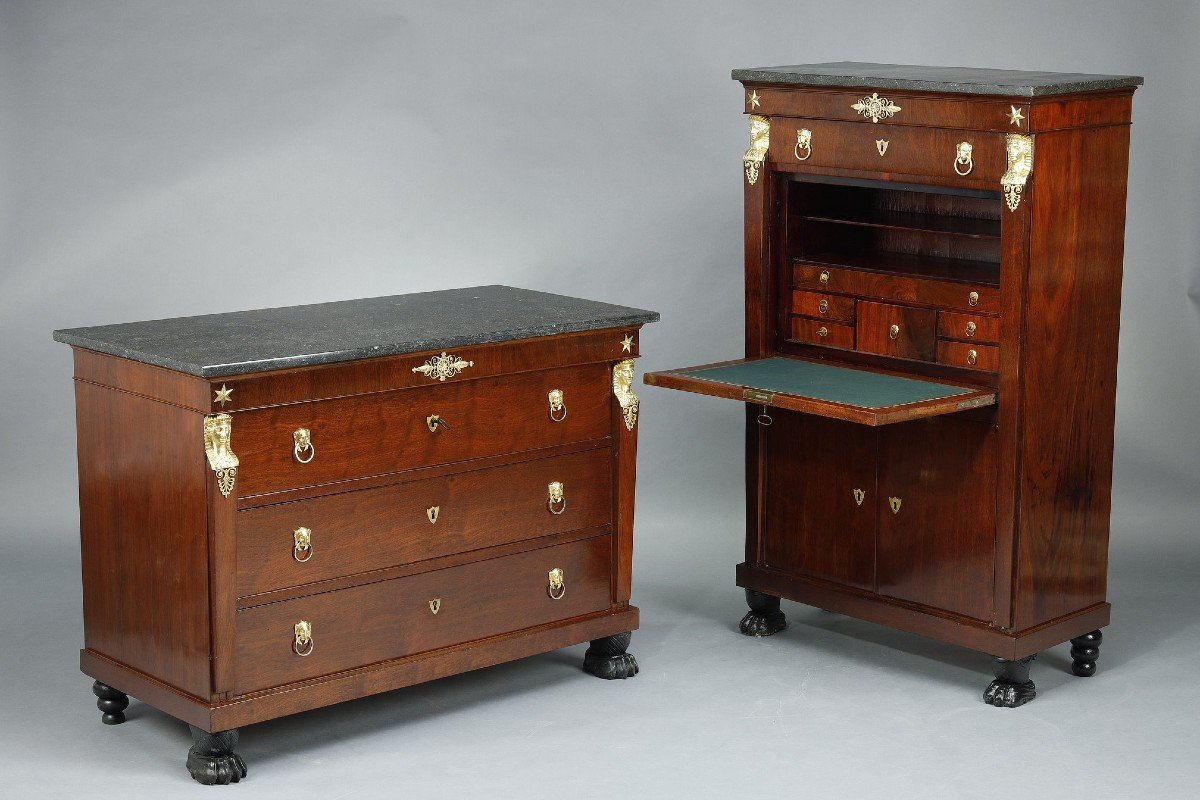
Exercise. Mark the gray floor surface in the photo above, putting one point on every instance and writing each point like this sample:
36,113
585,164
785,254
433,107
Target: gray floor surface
832,707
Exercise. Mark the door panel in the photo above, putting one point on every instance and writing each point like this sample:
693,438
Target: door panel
938,548
812,522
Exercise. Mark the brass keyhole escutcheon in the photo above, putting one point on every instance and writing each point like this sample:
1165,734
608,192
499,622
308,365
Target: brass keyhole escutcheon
435,605
303,444
972,357
894,332
558,409
895,502
859,496
433,421
302,640
881,145
973,298
302,539
555,587
432,513
823,306
970,329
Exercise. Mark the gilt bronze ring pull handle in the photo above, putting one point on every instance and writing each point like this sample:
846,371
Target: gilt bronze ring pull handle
302,550
302,644
556,502
555,587
558,409
963,157
303,439
803,142
894,332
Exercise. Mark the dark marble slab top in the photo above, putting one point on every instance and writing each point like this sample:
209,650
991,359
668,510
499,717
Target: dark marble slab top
216,345
961,80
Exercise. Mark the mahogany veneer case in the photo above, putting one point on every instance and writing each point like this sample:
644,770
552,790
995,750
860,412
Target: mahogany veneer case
288,508
933,283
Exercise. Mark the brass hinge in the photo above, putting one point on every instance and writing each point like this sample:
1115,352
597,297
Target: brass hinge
218,430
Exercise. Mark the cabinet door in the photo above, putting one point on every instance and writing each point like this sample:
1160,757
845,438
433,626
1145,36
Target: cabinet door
819,504
937,514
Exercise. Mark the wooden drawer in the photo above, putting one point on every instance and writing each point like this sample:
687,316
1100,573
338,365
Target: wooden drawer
970,355
388,432
818,331
881,286
823,306
391,619
899,331
370,529
922,153
968,327
939,112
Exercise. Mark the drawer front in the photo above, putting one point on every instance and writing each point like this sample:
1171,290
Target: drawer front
968,327
818,331
395,618
970,355
932,153
898,331
823,306
387,432
939,112
370,529
876,285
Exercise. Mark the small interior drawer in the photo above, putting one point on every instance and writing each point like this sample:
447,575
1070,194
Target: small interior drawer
818,331
970,355
898,331
968,327
823,306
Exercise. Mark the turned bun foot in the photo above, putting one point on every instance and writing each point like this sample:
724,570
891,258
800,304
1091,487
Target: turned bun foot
211,761
606,658
1012,687
764,617
1084,652
111,702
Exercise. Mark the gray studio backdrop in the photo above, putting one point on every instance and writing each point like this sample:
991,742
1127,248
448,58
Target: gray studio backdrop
163,159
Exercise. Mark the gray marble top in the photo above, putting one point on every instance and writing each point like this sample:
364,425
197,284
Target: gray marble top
962,80
216,345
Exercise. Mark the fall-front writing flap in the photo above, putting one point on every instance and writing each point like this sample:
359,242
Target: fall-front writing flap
827,390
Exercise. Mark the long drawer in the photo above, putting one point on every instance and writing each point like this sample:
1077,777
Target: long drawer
395,618
819,277
291,544
387,432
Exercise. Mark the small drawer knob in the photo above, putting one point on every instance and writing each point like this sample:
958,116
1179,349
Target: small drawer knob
894,332
824,276
556,500
302,548
973,298
972,357
302,643
558,410
303,444
970,329
555,587
823,306
822,331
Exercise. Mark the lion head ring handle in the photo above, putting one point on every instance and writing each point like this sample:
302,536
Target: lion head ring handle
302,644
558,409
555,587
963,158
803,142
302,548
303,439
555,498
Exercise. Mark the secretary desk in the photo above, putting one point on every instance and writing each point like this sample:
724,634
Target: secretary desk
933,280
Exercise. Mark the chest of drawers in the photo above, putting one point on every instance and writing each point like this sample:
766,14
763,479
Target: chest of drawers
933,267
288,508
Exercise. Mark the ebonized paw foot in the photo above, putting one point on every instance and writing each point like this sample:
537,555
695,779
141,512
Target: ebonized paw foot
1084,652
212,760
764,617
606,658
112,702
1012,687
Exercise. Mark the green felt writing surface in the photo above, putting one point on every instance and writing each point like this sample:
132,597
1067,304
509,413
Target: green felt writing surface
854,387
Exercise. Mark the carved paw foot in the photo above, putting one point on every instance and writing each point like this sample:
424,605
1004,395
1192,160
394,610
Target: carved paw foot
764,617
111,702
1084,652
606,658
211,761
1009,695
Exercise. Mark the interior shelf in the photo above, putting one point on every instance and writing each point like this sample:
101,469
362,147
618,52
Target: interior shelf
910,221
